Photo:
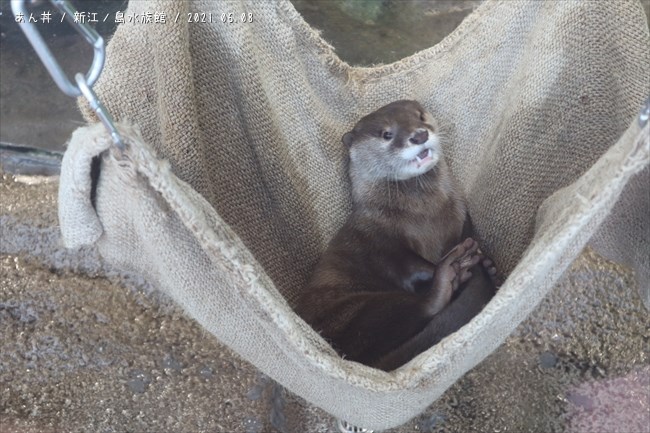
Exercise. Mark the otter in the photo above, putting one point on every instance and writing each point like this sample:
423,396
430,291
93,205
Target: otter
398,276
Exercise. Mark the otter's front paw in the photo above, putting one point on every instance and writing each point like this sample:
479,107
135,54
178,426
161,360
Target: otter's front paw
452,271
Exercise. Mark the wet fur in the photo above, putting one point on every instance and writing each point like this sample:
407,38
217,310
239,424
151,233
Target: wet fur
371,294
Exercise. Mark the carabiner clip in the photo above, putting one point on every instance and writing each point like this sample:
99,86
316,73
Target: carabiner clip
84,83
35,38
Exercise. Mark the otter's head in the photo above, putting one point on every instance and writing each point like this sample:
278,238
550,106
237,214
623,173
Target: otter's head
396,142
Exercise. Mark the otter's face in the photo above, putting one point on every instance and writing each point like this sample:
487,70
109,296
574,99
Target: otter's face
396,142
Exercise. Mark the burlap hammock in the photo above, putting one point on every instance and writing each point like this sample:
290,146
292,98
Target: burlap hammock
237,180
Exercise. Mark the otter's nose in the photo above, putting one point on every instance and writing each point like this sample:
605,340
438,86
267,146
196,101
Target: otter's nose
419,137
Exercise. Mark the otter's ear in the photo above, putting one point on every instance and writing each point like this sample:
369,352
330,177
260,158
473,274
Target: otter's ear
347,138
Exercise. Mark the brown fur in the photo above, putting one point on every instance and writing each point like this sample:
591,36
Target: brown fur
381,292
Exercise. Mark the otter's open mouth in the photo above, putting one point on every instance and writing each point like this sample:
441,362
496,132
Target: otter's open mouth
422,158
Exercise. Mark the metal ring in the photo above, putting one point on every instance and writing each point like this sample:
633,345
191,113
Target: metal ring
346,427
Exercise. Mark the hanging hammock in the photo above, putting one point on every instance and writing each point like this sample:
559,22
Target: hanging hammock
234,178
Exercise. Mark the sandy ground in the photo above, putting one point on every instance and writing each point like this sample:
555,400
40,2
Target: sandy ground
85,352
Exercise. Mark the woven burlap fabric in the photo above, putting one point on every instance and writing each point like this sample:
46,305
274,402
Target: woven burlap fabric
237,178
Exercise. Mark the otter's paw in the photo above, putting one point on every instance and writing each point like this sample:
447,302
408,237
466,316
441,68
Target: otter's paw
461,258
453,270
491,270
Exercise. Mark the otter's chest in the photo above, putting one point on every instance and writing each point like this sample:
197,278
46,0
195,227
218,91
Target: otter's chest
433,231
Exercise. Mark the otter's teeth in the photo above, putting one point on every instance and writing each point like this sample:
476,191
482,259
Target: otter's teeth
427,153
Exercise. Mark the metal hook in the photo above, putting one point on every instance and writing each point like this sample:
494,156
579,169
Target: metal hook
84,83
101,111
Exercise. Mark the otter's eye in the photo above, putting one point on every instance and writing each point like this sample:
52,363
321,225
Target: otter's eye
387,135
423,117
